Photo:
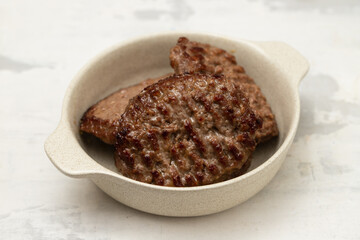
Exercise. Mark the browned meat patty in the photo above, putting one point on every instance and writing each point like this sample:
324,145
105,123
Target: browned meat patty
186,130
102,119
192,57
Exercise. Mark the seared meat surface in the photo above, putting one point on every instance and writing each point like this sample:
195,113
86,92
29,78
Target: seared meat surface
186,130
102,119
193,57
196,127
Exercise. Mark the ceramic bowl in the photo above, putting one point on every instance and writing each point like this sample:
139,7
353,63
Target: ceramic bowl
277,69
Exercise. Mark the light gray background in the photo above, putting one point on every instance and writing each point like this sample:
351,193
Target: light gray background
315,195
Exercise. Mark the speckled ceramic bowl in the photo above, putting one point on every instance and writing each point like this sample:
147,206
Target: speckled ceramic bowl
277,69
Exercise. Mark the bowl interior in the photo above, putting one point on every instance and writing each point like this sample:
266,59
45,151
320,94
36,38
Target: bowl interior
138,60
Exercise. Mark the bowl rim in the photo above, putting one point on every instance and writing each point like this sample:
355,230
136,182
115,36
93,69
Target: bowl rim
90,173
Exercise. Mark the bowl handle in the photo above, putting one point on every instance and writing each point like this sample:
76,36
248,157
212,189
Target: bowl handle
290,61
67,155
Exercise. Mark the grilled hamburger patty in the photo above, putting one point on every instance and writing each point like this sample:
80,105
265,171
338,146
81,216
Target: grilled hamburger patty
193,57
102,119
186,130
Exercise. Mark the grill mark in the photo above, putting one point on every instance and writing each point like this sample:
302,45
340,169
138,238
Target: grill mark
174,153
199,177
165,134
128,159
153,140
218,149
177,181
137,143
216,115
147,159
228,111
198,143
218,97
190,180
158,179
198,163
155,93
213,169
197,50
235,152
245,140
162,109
181,145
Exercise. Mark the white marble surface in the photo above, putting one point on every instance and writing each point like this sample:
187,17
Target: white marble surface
315,195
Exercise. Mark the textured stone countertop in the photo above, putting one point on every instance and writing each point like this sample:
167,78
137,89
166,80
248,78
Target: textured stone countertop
316,193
